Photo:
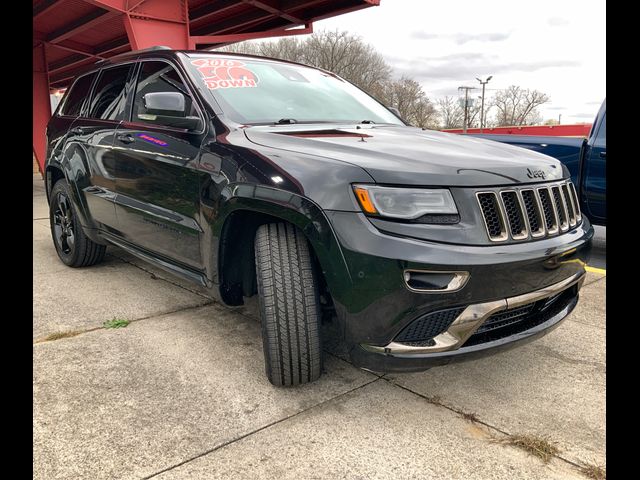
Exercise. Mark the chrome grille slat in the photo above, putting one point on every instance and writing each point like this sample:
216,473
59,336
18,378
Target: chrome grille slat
548,210
515,214
529,212
532,206
561,209
576,203
493,214
568,202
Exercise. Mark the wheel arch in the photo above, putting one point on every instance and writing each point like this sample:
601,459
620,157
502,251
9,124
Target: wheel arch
73,171
53,173
252,206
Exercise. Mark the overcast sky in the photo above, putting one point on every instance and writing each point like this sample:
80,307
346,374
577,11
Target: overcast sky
555,46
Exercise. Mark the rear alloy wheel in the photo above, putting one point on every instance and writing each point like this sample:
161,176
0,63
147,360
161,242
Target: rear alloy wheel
74,248
289,305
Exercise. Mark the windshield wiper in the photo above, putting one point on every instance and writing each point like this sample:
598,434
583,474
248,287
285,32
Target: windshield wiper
367,121
286,121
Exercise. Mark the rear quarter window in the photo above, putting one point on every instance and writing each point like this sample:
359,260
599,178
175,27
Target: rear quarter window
73,100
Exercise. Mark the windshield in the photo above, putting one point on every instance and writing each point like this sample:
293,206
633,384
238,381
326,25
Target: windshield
254,91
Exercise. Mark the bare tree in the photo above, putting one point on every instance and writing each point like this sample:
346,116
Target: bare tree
517,106
407,96
473,120
450,112
348,56
248,47
342,53
425,114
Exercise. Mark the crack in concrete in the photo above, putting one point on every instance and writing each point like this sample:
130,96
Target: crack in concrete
257,430
455,410
563,358
78,333
594,281
477,420
586,324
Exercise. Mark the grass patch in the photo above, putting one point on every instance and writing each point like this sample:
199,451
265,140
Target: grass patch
59,335
116,323
539,447
595,472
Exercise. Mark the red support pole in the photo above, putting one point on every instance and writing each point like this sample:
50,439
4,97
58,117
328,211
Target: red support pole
41,104
158,22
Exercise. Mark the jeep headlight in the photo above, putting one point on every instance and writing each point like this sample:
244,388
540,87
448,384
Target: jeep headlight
405,203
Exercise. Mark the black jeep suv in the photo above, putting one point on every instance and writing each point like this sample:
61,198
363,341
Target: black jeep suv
253,176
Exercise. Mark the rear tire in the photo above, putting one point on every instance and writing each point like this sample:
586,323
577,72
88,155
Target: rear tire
74,248
289,305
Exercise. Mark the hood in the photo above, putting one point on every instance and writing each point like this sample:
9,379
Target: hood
412,156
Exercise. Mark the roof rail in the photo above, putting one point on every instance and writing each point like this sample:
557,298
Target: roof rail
152,49
132,52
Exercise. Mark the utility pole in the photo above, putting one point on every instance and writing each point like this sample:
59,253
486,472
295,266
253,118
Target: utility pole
466,106
559,118
482,104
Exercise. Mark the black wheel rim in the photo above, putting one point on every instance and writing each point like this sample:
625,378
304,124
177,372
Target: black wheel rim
63,228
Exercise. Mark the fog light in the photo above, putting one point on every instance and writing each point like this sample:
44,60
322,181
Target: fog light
424,281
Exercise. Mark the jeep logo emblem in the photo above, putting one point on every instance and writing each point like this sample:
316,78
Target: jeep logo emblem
535,173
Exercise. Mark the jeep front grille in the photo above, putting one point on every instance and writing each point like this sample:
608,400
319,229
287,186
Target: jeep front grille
493,215
529,212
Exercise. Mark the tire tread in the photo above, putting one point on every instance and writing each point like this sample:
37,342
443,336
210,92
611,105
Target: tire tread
289,304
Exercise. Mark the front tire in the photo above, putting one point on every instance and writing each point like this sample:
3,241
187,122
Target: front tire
74,248
289,305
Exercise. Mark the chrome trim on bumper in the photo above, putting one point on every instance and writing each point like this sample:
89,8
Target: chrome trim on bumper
470,320
458,281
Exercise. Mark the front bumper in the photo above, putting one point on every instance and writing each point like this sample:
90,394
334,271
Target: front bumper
447,346
416,362
378,305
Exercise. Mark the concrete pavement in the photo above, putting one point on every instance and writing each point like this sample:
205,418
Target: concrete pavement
181,391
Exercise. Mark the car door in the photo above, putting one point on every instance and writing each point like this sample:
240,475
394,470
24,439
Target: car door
157,180
595,174
90,143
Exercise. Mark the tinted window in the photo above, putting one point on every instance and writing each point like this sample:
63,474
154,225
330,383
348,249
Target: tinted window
601,138
159,77
109,94
74,98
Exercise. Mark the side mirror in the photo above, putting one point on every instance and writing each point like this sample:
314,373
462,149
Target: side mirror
395,111
169,109
165,103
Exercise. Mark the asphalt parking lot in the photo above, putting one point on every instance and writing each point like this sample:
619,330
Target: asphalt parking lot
180,393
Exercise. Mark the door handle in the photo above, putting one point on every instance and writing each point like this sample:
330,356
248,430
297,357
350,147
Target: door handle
125,138
77,131
603,154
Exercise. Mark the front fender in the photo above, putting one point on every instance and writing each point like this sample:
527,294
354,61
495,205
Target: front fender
297,210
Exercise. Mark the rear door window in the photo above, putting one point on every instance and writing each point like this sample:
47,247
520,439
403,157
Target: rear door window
110,94
76,96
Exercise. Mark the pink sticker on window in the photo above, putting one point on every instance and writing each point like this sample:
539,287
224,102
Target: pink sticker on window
224,73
